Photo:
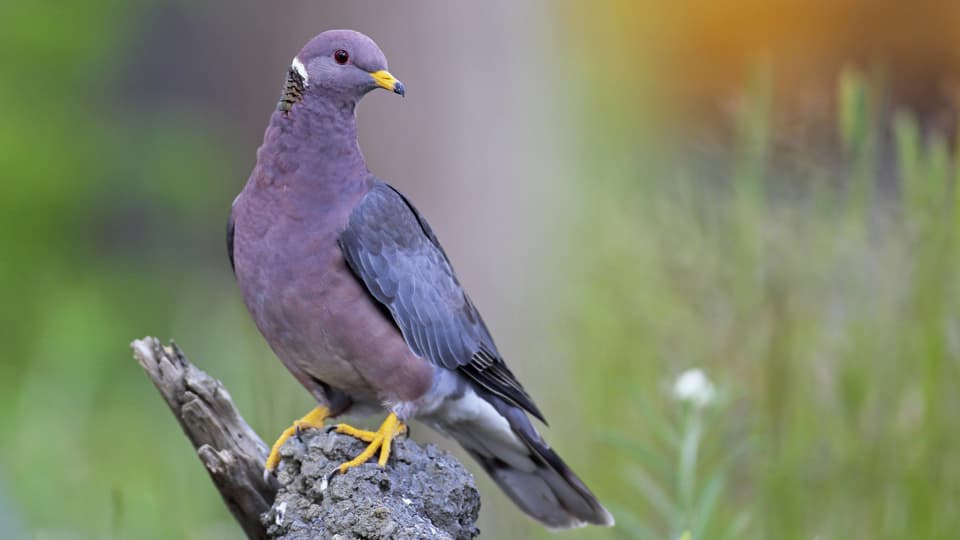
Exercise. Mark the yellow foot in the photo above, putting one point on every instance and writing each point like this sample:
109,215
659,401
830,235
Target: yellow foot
380,439
313,419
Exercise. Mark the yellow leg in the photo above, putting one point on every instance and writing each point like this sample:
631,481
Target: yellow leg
313,419
380,439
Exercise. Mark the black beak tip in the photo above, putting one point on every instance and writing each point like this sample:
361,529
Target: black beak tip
399,89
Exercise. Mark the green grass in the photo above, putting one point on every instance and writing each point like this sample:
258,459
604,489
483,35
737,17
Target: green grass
829,318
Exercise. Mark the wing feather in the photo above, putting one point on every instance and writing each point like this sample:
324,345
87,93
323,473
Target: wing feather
393,251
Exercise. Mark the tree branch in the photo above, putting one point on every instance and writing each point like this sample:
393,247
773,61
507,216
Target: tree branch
230,450
422,493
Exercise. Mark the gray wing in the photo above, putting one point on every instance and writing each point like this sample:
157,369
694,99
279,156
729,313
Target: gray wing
390,247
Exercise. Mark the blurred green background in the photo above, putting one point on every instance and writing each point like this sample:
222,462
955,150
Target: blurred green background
765,191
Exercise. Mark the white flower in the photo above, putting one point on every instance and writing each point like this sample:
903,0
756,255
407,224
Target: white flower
693,387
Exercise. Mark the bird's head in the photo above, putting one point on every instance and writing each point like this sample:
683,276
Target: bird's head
341,64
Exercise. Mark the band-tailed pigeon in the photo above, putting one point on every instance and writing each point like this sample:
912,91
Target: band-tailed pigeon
350,287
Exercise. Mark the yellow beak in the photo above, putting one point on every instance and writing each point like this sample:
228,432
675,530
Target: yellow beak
384,79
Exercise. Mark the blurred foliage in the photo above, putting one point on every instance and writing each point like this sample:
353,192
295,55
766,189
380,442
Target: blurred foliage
829,312
100,202
824,304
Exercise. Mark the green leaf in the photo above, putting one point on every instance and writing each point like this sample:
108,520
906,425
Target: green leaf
629,522
655,495
708,502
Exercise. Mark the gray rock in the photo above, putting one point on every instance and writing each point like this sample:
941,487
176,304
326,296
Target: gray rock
422,493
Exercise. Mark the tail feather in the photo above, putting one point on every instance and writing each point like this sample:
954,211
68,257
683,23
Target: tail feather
502,439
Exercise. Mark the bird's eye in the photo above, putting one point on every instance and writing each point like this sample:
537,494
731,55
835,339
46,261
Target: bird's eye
341,56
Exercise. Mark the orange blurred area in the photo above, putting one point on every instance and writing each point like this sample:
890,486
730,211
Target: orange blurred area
704,51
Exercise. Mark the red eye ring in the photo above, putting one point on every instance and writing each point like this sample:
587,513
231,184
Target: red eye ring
341,56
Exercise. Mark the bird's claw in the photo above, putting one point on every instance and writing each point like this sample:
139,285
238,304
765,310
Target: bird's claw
313,419
380,439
